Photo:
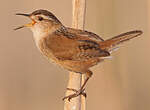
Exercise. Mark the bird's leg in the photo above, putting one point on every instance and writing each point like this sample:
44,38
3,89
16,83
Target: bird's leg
74,90
81,90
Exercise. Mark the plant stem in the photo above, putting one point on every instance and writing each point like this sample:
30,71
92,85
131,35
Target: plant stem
75,79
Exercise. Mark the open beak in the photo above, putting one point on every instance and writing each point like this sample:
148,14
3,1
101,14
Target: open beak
26,25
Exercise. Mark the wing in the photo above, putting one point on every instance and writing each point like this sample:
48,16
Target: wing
64,48
85,33
90,49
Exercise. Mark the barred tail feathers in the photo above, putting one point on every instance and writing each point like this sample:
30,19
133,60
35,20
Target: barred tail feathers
112,43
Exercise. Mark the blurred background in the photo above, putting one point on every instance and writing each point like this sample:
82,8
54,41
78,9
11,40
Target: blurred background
29,82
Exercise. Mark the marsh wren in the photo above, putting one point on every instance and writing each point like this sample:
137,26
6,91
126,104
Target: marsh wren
74,49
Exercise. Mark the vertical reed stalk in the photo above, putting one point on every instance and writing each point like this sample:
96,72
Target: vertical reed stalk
75,79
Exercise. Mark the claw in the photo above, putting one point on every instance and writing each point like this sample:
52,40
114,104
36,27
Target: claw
77,93
70,89
81,91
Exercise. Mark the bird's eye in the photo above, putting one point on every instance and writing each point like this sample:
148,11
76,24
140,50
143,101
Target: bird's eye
40,18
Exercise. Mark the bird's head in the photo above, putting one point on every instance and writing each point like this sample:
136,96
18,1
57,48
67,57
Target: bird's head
42,21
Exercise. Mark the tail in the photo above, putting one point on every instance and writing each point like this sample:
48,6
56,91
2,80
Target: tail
111,43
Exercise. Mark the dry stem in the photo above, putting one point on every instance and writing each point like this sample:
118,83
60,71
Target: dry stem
75,79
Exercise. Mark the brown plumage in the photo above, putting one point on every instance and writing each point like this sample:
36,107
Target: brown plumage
74,49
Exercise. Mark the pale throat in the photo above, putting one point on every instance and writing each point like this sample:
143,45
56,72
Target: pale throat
40,32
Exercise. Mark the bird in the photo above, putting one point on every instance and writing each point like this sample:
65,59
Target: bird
73,49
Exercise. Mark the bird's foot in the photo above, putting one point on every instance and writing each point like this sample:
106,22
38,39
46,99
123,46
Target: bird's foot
77,93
